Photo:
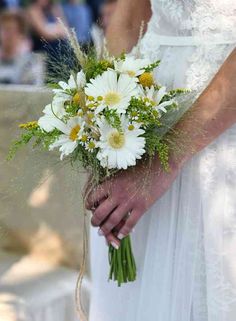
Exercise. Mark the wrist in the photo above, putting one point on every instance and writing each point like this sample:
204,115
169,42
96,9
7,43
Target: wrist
176,163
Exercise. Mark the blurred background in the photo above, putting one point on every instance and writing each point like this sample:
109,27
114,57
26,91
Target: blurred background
41,210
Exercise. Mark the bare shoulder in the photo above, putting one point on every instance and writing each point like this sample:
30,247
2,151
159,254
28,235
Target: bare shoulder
126,23
136,10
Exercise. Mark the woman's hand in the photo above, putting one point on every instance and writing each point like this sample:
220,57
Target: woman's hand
120,202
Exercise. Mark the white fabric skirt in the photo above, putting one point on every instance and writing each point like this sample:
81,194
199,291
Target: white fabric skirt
185,245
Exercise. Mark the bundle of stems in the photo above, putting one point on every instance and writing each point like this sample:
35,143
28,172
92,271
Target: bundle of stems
122,262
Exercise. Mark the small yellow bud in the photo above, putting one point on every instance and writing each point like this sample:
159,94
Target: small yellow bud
90,98
90,116
134,113
91,145
99,98
146,79
91,105
131,127
156,113
84,138
76,99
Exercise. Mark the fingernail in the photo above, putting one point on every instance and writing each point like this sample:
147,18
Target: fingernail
116,246
100,232
120,236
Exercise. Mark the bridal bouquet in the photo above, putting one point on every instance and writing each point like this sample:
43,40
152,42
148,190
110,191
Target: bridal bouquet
108,115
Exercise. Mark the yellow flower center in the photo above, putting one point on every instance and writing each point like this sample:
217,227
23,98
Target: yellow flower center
76,99
74,133
116,140
91,145
131,73
112,98
131,127
146,79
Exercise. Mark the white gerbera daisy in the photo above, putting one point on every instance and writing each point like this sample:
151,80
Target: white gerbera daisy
52,113
68,141
120,149
113,91
156,96
131,66
75,82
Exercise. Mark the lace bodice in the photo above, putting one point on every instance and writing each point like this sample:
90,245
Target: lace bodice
172,33
194,17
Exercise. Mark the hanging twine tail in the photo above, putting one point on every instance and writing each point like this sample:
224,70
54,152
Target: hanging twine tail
78,292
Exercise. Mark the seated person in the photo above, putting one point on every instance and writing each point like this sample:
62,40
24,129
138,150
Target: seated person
79,17
45,27
17,64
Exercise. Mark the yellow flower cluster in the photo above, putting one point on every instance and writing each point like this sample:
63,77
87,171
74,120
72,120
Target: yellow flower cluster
29,125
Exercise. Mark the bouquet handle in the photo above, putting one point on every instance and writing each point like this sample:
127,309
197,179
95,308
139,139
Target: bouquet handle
122,262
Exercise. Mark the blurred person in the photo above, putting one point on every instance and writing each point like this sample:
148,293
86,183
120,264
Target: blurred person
99,29
95,5
45,26
9,4
18,65
79,16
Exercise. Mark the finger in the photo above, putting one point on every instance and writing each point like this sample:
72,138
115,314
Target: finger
96,196
118,227
111,239
113,220
130,223
103,211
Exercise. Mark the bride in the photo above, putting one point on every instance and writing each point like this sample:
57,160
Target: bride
185,220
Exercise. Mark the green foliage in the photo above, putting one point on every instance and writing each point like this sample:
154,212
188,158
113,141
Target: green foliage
163,154
53,86
152,66
94,68
17,144
154,145
112,118
175,93
72,109
142,112
88,160
40,138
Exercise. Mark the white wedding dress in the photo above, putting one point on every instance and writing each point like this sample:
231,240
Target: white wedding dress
185,246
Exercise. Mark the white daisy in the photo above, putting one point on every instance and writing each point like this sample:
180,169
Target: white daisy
120,149
52,113
156,96
131,66
75,82
112,91
68,141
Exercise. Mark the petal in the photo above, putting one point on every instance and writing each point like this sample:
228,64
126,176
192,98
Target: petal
160,94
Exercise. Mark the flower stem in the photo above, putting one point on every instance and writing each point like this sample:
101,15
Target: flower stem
122,263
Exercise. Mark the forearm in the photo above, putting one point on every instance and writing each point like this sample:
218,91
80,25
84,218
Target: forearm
124,29
212,114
